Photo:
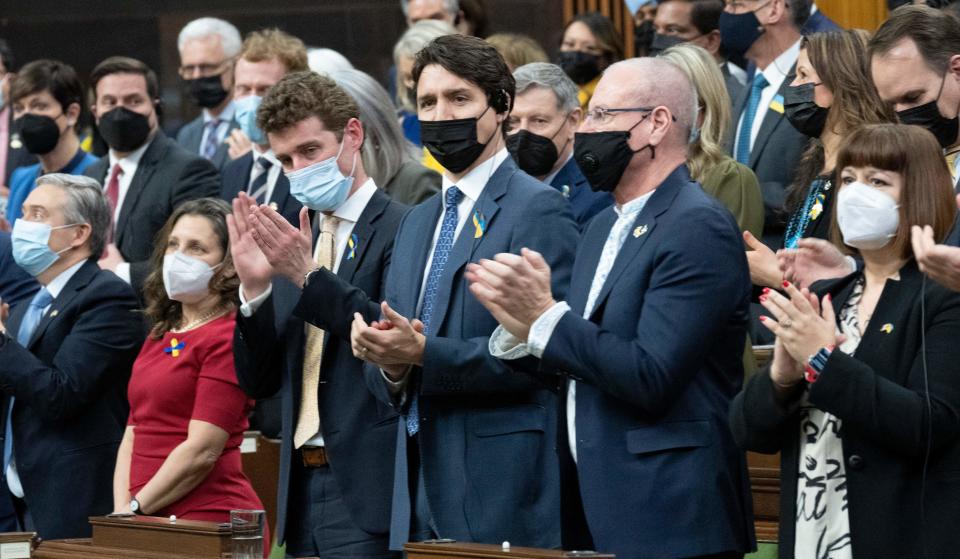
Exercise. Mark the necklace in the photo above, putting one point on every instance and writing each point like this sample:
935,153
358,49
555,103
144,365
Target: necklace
202,319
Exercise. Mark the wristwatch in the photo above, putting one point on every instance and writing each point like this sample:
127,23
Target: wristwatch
306,277
135,506
816,363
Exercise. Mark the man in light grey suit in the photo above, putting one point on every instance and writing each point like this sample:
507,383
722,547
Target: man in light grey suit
208,48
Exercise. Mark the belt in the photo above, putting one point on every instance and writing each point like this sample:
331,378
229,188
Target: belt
314,456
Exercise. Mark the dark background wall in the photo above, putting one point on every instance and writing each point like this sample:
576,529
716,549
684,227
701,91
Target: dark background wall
84,32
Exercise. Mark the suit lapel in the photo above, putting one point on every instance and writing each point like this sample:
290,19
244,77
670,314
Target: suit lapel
361,236
145,169
242,176
79,280
771,121
589,258
418,251
642,228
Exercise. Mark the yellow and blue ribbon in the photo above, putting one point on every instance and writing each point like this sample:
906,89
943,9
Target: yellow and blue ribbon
479,223
175,348
352,246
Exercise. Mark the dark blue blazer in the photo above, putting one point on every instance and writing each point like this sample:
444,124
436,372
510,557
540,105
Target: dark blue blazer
657,365
70,384
359,431
236,178
487,434
584,201
191,134
819,22
16,285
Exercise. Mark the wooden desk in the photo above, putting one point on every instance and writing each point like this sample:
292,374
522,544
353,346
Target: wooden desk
486,551
260,458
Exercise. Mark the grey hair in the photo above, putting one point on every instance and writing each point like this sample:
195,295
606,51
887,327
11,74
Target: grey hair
410,43
327,61
548,76
451,6
86,203
385,148
204,27
665,84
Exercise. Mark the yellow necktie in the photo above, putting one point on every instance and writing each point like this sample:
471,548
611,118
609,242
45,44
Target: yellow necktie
308,421
952,164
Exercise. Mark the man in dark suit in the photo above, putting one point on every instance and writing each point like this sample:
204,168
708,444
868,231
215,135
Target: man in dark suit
762,137
818,22
65,360
338,442
266,57
146,174
208,47
542,123
16,285
475,452
649,339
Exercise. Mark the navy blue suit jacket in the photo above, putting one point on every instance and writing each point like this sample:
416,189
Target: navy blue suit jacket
236,178
16,285
584,201
70,384
359,431
819,22
656,366
487,434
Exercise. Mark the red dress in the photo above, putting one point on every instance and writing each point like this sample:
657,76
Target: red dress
188,376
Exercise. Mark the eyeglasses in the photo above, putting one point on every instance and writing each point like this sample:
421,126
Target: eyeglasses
603,115
742,6
201,70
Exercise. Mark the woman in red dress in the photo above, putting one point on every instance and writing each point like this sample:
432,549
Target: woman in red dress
180,454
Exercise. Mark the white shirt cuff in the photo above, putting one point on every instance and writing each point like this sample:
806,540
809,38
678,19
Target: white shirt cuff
123,271
397,387
542,329
247,308
506,346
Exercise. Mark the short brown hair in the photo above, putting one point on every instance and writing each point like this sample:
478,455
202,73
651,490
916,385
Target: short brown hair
936,34
474,60
124,65
927,196
60,80
165,313
301,95
517,50
273,43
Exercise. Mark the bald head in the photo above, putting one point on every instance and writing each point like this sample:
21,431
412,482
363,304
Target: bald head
650,82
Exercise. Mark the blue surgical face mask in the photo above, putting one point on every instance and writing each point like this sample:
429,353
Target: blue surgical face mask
31,249
321,186
246,117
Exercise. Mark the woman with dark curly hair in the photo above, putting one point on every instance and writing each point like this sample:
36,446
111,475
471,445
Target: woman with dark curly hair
180,452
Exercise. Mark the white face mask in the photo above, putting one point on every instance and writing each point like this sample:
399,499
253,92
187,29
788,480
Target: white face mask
186,279
868,218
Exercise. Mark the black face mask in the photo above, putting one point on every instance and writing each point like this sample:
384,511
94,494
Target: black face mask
738,32
928,116
39,133
663,42
535,154
805,115
453,143
581,67
604,156
123,129
643,36
207,92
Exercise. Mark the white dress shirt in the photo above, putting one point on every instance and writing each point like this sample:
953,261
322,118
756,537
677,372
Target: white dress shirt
54,288
348,213
775,72
128,168
503,345
223,128
273,173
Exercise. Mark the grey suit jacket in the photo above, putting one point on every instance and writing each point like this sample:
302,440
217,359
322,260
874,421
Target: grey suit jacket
774,156
190,136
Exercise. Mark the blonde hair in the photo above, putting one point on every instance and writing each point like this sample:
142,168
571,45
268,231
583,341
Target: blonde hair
273,43
713,101
517,50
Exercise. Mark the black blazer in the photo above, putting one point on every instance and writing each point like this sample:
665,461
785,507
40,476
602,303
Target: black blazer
70,384
880,396
359,432
236,178
774,157
167,176
17,154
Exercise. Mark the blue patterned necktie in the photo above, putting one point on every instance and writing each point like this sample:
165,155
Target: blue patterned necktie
441,251
31,319
749,114
212,142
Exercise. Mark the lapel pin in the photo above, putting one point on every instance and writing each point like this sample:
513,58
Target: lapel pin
480,224
565,190
639,231
352,246
274,206
886,328
175,348
54,313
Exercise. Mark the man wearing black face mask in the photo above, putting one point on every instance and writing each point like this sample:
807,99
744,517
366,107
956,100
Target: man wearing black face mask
541,127
475,445
145,174
208,47
767,33
47,102
655,277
